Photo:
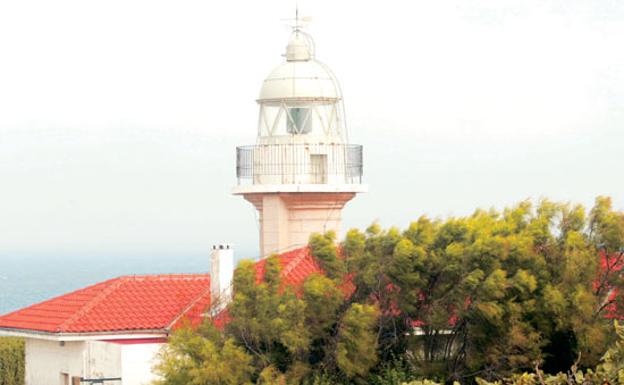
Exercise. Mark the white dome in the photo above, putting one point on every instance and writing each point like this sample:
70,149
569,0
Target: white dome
307,79
301,76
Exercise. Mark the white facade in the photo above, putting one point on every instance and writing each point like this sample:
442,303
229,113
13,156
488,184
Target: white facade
137,361
50,362
47,362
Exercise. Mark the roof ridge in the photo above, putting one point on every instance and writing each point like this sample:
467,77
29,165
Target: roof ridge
189,307
94,301
295,261
166,275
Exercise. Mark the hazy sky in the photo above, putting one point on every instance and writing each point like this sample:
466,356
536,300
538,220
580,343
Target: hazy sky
119,119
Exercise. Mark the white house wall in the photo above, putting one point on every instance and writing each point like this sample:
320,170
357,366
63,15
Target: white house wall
102,360
46,360
137,361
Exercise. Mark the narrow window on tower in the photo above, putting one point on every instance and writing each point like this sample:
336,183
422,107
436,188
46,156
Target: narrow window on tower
299,121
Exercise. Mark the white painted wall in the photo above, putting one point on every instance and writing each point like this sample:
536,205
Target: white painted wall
137,362
46,360
102,359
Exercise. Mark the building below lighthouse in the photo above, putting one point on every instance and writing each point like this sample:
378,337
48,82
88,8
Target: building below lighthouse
111,332
302,170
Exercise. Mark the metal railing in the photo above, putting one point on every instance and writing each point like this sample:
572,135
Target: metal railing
300,163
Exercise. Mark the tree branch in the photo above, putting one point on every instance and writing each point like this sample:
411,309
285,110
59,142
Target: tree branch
539,373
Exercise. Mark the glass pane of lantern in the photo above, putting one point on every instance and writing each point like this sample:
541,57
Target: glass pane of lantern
301,122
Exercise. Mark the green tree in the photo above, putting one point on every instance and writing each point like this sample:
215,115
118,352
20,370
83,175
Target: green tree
494,292
491,295
275,334
12,361
356,350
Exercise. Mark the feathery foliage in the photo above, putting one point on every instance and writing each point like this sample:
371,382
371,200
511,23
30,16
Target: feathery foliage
492,296
11,361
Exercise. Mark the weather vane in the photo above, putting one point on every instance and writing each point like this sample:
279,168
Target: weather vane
298,23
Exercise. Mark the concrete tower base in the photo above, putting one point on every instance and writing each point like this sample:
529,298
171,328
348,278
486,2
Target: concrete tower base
287,219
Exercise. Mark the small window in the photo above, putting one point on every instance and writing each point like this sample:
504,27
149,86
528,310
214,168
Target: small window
300,120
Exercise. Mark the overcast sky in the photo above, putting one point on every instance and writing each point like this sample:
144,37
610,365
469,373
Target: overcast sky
119,118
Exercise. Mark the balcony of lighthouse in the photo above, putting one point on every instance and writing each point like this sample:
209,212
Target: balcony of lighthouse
294,165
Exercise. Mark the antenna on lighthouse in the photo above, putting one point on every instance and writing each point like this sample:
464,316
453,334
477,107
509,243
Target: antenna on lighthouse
297,24
297,17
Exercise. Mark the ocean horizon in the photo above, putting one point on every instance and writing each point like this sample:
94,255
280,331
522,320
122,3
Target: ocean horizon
28,280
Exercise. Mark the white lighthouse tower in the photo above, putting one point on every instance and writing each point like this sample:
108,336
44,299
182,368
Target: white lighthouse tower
302,170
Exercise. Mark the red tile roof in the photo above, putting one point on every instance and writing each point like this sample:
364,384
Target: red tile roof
610,264
130,303
296,266
140,303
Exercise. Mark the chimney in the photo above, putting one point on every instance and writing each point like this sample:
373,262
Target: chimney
221,274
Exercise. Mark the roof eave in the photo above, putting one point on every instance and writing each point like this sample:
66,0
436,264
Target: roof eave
87,336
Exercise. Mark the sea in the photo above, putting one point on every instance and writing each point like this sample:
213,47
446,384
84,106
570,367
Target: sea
28,280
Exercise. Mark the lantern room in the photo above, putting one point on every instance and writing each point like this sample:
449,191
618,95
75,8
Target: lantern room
300,100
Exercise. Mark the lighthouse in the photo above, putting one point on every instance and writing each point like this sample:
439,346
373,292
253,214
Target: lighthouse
302,170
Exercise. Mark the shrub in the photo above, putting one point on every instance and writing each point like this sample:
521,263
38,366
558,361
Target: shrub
11,361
